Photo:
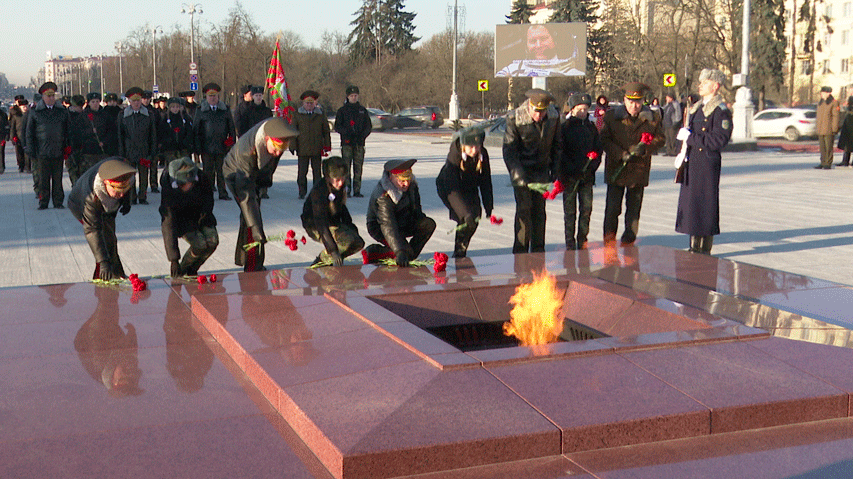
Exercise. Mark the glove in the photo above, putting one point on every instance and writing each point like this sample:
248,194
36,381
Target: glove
403,259
125,208
336,259
681,158
683,134
258,234
105,271
175,271
639,149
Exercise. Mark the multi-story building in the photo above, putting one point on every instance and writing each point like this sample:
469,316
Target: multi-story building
830,61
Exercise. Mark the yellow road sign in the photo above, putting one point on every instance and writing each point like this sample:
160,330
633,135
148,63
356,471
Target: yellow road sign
669,80
483,85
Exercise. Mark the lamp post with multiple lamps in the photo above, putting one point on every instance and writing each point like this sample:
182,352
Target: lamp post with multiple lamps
192,9
154,32
120,47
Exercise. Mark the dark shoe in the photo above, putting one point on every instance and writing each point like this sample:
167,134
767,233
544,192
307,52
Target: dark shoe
224,197
133,202
302,196
265,196
59,207
358,195
155,190
818,167
42,207
143,202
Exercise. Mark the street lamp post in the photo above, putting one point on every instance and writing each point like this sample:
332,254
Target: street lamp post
119,47
192,9
743,107
154,32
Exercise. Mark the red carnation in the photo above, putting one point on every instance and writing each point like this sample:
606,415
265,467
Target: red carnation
133,278
303,240
229,141
592,155
352,123
365,259
291,234
495,220
177,129
292,246
201,279
439,266
144,162
91,116
212,278
646,138
440,257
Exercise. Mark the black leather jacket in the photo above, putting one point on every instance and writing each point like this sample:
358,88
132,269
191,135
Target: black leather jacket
88,209
182,212
137,135
47,131
211,128
394,218
531,149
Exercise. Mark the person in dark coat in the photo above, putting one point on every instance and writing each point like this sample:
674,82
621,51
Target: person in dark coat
213,128
845,137
353,123
313,142
464,178
580,158
186,211
240,110
4,136
176,132
394,214
710,129
249,166
531,149
137,142
17,132
628,160
92,131
48,140
326,218
95,200
255,111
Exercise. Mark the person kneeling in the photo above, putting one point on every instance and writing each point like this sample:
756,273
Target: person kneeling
186,211
95,200
394,214
326,218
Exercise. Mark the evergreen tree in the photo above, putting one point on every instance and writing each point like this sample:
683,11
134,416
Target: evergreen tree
768,44
361,40
598,54
381,27
520,13
396,28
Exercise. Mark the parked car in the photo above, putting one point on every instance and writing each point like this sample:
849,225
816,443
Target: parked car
380,120
419,117
788,123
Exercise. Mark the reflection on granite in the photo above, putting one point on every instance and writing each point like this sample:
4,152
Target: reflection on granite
326,373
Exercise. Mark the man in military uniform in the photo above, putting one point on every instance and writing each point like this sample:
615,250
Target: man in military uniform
352,122
708,132
214,132
326,218
137,141
17,132
531,149
628,160
93,131
827,126
394,214
48,141
313,142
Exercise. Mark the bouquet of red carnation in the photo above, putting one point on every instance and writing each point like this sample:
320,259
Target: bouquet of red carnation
558,188
138,284
440,261
495,220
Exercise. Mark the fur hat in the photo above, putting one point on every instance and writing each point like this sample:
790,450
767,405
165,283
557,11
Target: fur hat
183,170
714,75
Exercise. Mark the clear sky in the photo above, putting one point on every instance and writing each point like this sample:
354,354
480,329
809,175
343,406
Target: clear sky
77,28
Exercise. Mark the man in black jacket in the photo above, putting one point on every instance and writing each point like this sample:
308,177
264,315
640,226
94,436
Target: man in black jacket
92,130
353,124
18,131
95,200
137,141
48,141
531,148
186,211
326,218
394,214
249,166
214,130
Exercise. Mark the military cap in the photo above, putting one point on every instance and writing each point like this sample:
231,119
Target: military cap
22,102
19,97
335,167
118,173
211,87
579,99
401,168
186,94
635,90
174,100
714,75
47,86
66,99
246,89
93,96
277,127
147,94
134,92
826,89
257,89
183,170
352,89
313,94
539,98
473,135
78,100
110,97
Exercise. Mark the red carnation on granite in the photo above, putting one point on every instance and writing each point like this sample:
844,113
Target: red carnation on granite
212,278
440,261
138,284
201,279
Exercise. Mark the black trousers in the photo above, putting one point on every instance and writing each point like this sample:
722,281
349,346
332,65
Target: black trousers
302,172
50,181
613,208
579,214
529,221
420,232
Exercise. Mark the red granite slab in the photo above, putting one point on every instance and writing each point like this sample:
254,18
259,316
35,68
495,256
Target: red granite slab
819,449
642,318
744,387
555,467
605,401
832,305
432,309
411,418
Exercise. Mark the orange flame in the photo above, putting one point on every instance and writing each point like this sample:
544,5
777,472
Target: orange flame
535,318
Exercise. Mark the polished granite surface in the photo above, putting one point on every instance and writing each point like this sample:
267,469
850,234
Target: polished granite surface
326,373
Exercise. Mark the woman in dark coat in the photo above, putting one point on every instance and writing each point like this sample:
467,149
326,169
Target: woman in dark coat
710,129
462,180
845,136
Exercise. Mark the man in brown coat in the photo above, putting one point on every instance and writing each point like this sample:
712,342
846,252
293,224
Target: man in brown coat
827,126
313,142
631,134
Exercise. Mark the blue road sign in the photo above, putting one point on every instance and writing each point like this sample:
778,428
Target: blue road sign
193,86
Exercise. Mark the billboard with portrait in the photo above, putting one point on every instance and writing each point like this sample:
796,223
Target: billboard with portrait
540,50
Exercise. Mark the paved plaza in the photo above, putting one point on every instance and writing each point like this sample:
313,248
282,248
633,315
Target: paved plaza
776,211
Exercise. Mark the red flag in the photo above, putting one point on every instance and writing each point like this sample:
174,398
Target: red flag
277,86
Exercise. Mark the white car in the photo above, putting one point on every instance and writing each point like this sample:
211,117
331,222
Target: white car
788,123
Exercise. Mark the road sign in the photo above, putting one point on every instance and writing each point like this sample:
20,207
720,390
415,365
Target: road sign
193,72
156,88
193,78
193,66
669,80
483,85
194,86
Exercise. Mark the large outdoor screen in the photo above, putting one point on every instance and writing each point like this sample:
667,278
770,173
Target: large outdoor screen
540,50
